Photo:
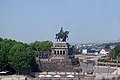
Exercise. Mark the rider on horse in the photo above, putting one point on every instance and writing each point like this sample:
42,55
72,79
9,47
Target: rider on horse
62,35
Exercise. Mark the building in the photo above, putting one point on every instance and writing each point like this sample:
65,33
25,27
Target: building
104,52
84,51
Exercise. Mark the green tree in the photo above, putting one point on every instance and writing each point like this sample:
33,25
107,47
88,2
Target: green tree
21,58
41,46
107,46
115,52
46,45
1,39
5,46
2,61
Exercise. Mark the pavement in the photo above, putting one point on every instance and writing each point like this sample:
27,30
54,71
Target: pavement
103,73
115,73
13,77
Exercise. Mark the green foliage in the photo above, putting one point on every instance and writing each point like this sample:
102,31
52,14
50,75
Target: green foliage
5,46
115,52
103,60
41,46
16,54
112,54
2,61
1,39
107,46
20,56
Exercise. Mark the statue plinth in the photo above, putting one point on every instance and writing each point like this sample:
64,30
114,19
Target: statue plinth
60,50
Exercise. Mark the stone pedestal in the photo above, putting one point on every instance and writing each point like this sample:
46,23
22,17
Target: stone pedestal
60,51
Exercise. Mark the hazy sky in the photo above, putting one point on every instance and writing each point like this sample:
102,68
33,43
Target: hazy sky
87,20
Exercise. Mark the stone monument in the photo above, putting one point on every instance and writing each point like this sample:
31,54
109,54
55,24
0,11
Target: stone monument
60,49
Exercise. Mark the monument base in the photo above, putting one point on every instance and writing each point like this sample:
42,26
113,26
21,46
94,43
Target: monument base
60,51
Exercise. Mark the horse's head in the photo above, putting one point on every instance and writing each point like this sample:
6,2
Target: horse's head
67,32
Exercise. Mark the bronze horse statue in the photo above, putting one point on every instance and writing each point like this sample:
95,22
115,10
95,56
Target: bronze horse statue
62,36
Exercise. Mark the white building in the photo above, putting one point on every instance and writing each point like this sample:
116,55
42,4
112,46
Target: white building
103,52
84,51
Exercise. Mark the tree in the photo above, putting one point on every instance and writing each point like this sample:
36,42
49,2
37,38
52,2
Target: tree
115,52
2,61
46,46
41,46
21,58
107,46
117,49
1,39
5,46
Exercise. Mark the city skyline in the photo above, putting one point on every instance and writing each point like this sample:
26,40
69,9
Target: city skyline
87,20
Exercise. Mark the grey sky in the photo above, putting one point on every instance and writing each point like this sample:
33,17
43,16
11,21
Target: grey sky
87,20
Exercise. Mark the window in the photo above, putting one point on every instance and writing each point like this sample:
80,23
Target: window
60,52
63,52
55,52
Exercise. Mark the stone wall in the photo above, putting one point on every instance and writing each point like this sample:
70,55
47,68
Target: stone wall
53,66
14,77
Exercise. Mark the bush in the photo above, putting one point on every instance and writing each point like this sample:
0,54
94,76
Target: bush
103,60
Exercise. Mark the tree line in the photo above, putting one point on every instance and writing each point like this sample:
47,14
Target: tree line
19,56
115,52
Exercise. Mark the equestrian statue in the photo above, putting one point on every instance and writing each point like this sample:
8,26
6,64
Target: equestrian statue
62,36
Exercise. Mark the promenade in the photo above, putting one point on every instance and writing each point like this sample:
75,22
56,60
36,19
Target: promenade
65,76
99,75
116,73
